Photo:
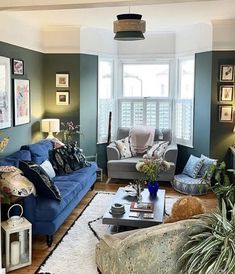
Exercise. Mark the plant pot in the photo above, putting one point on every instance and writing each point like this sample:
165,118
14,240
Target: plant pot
153,188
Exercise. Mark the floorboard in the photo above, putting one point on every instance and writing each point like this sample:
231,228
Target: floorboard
40,249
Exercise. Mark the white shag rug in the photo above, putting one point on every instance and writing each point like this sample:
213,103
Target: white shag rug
75,254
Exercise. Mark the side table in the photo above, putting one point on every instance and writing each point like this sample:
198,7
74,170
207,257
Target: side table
99,171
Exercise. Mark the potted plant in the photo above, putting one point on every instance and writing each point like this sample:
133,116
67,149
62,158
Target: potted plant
151,167
69,130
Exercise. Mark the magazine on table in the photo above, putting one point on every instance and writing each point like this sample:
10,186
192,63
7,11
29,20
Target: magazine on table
141,207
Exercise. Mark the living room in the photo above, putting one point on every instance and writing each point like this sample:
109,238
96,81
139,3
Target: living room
77,45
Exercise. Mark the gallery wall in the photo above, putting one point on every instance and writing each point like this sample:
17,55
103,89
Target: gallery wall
33,70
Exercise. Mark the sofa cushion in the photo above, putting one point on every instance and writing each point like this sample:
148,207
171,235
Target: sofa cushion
13,159
48,168
67,159
39,151
124,147
158,149
69,185
193,166
206,164
42,182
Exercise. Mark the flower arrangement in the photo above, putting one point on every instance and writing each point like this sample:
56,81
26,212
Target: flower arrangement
69,129
152,167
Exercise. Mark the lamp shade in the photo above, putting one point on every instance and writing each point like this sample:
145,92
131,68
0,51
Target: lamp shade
234,129
129,27
50,126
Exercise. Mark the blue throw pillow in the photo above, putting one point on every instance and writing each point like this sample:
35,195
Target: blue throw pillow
42,182
206,164
193,166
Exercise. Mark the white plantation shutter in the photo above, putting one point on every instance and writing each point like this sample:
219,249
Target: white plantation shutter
149,112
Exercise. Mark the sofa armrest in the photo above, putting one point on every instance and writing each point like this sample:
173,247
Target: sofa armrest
29,205
171,153
113,152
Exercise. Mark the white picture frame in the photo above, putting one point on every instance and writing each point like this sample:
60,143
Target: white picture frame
62,80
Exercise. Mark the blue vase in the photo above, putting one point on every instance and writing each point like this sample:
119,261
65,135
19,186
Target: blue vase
153,188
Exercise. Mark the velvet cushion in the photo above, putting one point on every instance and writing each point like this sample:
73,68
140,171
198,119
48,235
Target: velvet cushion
67,159
124,148
206,164
39,151
193,166
48,168
13,182
13,159
42,182
158,149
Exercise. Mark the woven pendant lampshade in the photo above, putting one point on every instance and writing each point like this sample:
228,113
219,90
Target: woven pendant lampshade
129,27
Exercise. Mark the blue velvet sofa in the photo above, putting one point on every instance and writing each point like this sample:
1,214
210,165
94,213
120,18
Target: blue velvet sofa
47,215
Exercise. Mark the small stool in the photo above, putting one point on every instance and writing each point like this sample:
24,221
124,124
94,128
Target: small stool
99,174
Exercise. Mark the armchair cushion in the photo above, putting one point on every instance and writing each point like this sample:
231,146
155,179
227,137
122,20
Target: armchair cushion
124,148
158,149
193,166
206,164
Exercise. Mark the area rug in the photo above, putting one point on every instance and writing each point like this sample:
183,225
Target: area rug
75,253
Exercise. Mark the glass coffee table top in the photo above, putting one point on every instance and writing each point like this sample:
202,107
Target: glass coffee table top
125,219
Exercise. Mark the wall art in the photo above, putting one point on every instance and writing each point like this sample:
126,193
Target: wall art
18,67
226,93
62,80
21,102
227,73
5,93
62,97
226,114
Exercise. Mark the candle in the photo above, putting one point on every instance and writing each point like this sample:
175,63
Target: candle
15,252
22,243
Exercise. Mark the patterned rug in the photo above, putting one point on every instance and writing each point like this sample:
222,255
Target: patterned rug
75,253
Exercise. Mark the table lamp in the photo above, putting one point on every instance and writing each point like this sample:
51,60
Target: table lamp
50,126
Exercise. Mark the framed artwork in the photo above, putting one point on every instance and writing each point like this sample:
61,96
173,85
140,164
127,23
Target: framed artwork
21,102
62,80
226,93
5,92
18,67
62,97
227,73
226,114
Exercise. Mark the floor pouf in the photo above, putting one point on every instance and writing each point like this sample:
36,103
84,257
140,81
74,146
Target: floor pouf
187,185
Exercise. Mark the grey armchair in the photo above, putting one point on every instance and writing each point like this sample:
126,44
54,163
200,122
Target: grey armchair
125,168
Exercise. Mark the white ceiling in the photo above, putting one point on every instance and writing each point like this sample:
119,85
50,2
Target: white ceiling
160,15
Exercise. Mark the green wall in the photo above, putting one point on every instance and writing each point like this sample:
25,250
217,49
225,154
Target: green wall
211,137
33,70
82,110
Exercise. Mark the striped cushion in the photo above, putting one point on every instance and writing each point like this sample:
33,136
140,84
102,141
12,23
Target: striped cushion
206,164
158,149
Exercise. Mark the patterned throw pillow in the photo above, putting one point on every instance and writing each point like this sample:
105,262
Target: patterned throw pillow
13,182
67,159
193,166
158,149
206,164
42,182
124,148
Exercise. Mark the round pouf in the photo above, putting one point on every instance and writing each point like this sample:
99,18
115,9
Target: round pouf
187,185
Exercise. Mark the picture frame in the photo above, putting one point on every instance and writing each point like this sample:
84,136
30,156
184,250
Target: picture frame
5,93
227,73
226,114
18,67
226,93
62,80
62,97
22,111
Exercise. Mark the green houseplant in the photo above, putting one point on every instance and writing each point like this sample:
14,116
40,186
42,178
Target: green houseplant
213,250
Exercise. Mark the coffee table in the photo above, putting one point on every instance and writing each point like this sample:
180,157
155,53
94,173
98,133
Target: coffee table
122,197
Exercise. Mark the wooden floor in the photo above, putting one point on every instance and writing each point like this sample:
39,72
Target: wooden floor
40,248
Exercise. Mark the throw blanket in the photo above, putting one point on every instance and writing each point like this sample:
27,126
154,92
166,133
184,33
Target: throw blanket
141,138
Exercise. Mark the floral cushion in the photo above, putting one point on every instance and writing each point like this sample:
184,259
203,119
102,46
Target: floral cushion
158,149
193,166
206,164
124,148
13,182
67,159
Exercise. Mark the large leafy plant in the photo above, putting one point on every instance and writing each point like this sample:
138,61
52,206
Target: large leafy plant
213,250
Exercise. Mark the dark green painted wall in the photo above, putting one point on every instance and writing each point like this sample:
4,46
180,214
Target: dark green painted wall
82,110
33,70
211,137
88,102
